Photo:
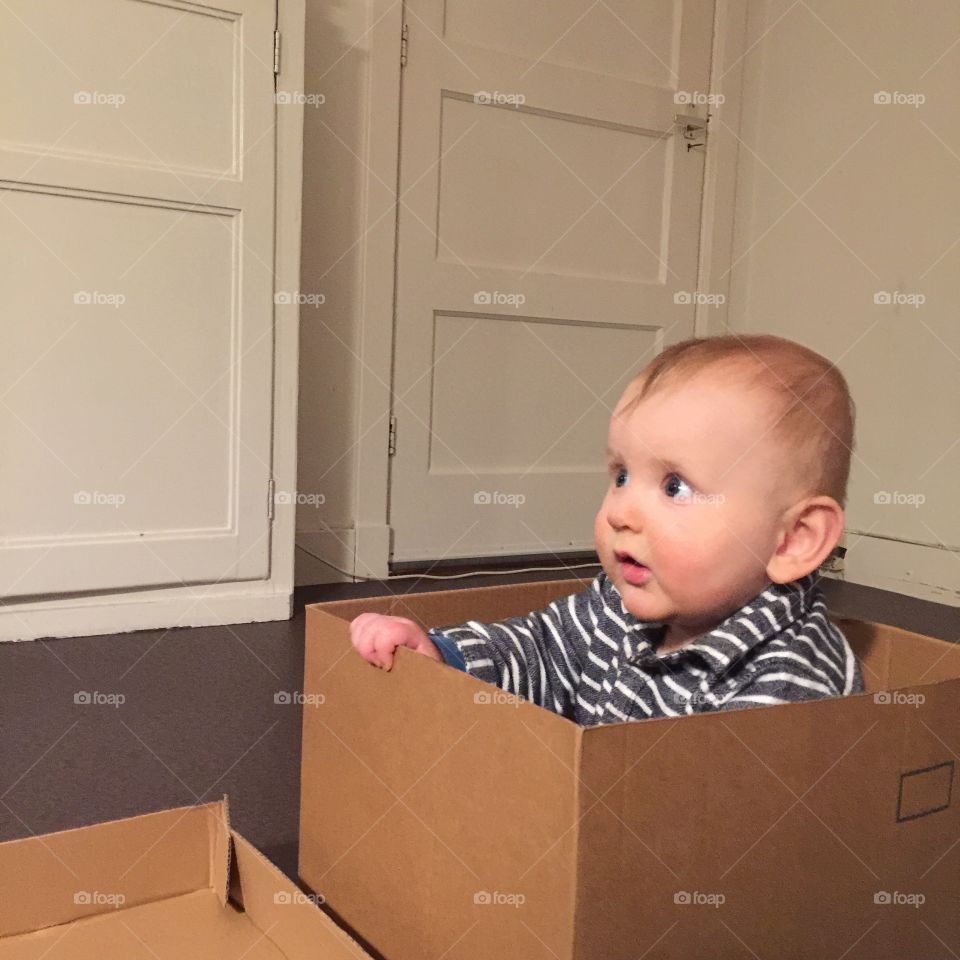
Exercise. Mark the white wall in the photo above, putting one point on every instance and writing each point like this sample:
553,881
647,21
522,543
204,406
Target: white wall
840,199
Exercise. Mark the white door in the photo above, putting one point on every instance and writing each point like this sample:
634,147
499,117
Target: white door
548,240
136,236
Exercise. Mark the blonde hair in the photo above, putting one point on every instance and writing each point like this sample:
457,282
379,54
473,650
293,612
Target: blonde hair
814,412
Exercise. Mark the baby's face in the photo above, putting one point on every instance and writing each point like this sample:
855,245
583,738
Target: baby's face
695,492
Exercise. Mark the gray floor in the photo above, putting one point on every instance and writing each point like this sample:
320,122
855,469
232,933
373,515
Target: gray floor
199,719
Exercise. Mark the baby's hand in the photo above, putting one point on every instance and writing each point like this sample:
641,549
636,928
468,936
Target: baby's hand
376,636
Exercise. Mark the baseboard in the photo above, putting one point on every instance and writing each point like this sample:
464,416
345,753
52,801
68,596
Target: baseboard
193,607
322,555
925,572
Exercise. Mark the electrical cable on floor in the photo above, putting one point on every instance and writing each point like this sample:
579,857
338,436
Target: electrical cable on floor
457,576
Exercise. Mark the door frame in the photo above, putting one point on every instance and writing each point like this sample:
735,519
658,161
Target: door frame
371,553
249,601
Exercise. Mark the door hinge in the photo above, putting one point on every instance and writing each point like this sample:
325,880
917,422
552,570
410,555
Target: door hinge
392,437
404,44
693,129
276,53
271,495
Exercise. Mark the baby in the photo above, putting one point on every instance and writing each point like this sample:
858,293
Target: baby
728,460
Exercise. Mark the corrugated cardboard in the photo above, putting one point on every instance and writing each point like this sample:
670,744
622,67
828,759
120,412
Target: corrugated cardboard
158,886
442,818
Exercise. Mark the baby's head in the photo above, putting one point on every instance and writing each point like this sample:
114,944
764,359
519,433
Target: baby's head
728,464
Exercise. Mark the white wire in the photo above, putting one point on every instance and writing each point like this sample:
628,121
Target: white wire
457,576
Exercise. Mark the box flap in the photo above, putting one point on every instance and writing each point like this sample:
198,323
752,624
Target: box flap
290,918
191,926
221,850
440,608
59,877
425,785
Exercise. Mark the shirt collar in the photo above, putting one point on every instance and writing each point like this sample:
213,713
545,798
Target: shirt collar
768,614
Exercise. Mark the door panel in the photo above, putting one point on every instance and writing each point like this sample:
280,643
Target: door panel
136,203
548,218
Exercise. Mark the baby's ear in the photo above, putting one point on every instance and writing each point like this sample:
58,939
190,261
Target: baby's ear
809,531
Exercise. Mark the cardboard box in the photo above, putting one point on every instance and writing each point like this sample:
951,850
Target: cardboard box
157,886
441,818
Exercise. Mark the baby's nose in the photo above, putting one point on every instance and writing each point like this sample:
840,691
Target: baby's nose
624,515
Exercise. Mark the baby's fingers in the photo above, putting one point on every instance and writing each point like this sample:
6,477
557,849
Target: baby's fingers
364,631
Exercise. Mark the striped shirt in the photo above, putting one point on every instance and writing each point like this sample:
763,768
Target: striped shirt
589,659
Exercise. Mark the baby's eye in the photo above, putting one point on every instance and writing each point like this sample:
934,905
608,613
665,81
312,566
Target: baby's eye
677,488
620,477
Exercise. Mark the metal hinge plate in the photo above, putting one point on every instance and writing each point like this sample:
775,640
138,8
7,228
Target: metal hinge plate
271,487
392,437
276,53
404,44
693,129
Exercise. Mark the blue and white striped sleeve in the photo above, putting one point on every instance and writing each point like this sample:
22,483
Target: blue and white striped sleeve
537,657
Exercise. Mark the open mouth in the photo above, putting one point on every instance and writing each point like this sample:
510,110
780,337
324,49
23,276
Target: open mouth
633,571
